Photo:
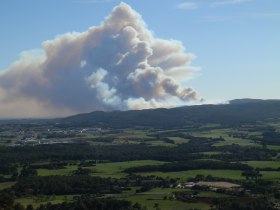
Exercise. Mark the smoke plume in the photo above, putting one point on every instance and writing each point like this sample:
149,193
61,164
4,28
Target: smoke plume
117,65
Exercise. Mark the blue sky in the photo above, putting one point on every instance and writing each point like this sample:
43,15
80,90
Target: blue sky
236,42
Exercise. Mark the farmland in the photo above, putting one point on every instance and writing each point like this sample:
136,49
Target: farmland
141,167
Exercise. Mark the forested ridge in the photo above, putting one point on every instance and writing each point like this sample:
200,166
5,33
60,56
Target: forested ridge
237,112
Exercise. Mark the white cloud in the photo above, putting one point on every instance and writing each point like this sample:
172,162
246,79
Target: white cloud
188,6
228,2
116,65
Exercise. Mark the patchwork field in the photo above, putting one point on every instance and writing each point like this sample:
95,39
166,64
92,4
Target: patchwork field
185,175
159,164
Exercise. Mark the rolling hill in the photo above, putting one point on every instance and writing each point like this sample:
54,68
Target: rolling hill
236,112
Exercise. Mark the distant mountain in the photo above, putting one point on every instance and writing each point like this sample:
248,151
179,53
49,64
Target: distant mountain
28,121
249,100
236,112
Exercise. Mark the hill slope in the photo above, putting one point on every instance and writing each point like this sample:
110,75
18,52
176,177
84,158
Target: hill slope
239,111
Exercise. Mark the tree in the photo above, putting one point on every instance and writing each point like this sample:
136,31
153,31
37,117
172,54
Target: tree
28,171
29,207
251,174
19,206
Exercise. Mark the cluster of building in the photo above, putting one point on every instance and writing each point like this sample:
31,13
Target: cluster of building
34,135
211,185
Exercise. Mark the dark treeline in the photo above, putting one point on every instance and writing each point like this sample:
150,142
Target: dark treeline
244,203
31,184
191,139
93,204
50,166
64,185
271,137
84,202
127,152
61,152
189,165
236,152
228,203
60,135
7,168
103,139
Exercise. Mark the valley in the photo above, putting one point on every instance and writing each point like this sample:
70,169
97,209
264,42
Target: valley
202,165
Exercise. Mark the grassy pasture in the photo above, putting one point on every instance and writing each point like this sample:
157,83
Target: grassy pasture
263,164
231,140
114,169
6,185
135,133
126,136
184,175
67,171
169,191
216,133
271,175
148,199
212,153
160,143
5,141
151,199
210,194
110,169
36,201
273,147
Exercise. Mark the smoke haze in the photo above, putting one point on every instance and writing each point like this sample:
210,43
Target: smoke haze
117,65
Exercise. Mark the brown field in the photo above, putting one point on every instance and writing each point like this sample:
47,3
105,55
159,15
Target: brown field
225,185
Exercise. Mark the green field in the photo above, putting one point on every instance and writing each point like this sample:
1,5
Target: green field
125,136
216,133
67,171
273,147
162,197
231,140
159,198
264,164
110,169
212,153
185,175
160,143
114,169
6,185
135,133
36,201
150,200
4,141
134,136
271,175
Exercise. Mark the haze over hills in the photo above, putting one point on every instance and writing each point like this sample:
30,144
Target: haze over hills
249,100
235,111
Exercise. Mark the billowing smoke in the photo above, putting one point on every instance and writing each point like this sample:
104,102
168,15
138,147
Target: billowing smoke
117,65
